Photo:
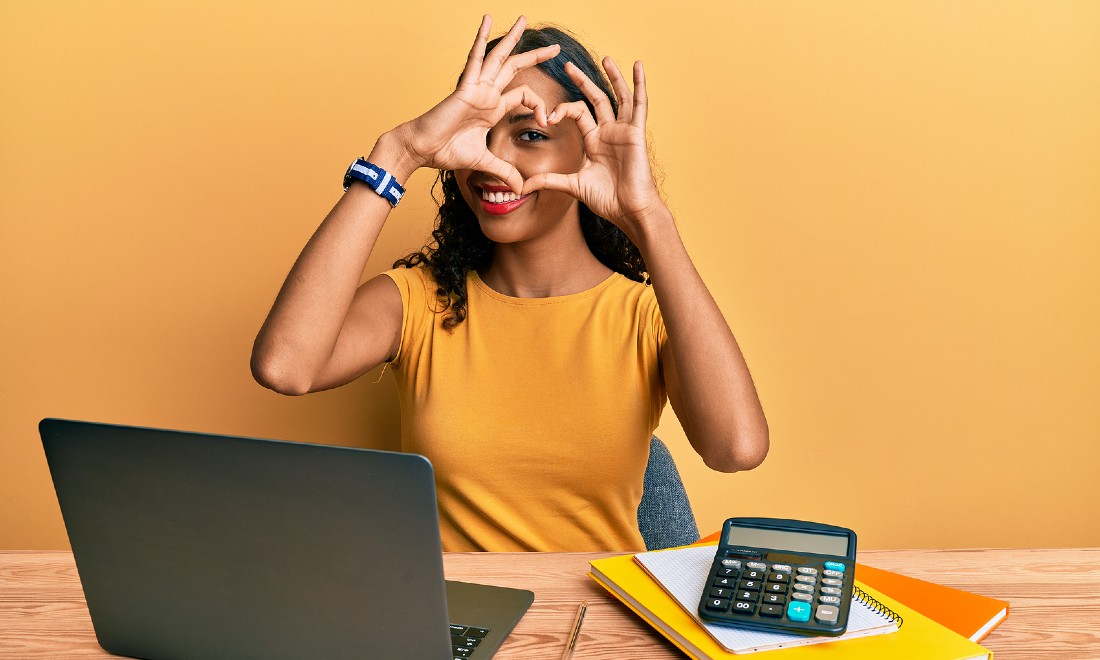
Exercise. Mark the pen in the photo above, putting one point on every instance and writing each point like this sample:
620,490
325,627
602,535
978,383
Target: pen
575,632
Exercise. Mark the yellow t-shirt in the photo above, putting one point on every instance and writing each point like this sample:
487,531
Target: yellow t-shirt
536,413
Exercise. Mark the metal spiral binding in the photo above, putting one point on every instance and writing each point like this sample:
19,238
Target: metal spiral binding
874,603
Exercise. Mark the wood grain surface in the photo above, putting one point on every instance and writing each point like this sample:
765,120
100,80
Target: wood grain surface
1054,596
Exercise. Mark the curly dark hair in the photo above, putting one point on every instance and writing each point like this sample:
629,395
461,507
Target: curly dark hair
458,245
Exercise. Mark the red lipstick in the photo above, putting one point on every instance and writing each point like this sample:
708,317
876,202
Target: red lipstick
499,208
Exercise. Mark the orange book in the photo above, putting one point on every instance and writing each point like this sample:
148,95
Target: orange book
970,615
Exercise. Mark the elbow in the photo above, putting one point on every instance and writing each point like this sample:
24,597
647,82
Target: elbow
739,451
275,376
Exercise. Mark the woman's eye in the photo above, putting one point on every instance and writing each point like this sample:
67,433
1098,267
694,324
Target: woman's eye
531,136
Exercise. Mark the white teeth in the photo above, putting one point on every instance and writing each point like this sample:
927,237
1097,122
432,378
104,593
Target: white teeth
498,197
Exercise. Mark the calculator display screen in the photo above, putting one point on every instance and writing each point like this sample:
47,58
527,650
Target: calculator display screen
782,539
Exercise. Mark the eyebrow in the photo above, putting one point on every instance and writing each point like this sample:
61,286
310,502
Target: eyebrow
515,119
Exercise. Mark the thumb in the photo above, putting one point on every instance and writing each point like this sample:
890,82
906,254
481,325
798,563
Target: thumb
566,183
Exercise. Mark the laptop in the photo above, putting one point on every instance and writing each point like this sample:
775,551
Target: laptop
192,545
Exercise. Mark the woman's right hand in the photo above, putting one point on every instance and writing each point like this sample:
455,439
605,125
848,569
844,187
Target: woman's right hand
452,135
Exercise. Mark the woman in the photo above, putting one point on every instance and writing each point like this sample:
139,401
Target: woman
532,359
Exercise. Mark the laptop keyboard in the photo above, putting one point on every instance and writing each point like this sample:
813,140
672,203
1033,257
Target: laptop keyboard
464,639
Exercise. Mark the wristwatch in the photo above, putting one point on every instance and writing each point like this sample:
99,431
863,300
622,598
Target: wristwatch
379,180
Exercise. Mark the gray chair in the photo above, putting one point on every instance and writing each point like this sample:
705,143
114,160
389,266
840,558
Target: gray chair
664,514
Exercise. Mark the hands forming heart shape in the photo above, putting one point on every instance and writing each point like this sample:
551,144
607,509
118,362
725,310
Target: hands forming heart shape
616,180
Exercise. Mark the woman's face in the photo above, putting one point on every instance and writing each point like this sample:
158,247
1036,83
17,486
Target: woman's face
532,149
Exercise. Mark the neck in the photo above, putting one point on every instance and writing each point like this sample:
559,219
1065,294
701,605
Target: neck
523,270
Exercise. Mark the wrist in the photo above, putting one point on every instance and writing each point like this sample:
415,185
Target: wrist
390,153
651,226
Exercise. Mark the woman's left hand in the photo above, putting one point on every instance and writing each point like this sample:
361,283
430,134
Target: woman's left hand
616,181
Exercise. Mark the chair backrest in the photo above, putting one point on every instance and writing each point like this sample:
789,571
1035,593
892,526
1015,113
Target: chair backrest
665,517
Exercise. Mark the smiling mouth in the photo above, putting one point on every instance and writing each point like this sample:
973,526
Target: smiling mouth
500,201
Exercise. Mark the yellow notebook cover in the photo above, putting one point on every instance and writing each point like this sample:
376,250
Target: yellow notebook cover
919,636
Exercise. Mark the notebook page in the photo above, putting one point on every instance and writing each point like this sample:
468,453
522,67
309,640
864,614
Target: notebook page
683,572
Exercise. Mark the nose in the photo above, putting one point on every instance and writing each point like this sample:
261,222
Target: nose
498,144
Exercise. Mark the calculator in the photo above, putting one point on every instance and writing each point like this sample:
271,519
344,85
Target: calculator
780,575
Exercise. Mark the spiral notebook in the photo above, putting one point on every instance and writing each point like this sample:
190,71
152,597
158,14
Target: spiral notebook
682,573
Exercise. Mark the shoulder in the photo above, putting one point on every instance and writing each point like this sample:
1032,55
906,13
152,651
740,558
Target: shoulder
415,284
640,300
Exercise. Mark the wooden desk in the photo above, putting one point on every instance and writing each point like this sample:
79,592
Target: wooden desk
1055,597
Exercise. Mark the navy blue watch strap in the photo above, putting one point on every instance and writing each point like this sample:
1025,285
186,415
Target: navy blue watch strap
379,180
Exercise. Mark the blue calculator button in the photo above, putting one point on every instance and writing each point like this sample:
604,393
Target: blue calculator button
834,566
797,611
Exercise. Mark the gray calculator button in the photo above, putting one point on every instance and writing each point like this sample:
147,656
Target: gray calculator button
827,614
806,579
731,563
806,570
758,565
805,598
834,574
806,588
781,568
832,591
829,600
830,582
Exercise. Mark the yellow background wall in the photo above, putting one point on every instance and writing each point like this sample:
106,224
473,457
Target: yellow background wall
897,206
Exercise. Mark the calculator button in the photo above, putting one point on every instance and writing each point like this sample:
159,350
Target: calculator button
732,563
834,566
831,591
806,579
753,575
834,574
776,599
477,632
725,582
806,570
720,592
743,607
779,577
804,588
747,595
805,598
829,600
776,588
798,611
827,614
781,568
757,565
832,582
726,572
771,610
458,630
718,604
749,585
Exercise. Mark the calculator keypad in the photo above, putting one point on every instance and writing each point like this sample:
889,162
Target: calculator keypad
804,597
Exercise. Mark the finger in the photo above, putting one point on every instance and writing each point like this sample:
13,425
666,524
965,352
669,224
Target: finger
618,83
521,61
502,170
477,51
566,183
641,98
496,57
576,111
592,92
524,96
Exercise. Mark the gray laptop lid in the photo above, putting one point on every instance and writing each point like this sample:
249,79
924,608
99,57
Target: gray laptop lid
199,546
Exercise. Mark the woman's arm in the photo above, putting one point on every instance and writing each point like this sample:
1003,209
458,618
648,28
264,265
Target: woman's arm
324,330
706,377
